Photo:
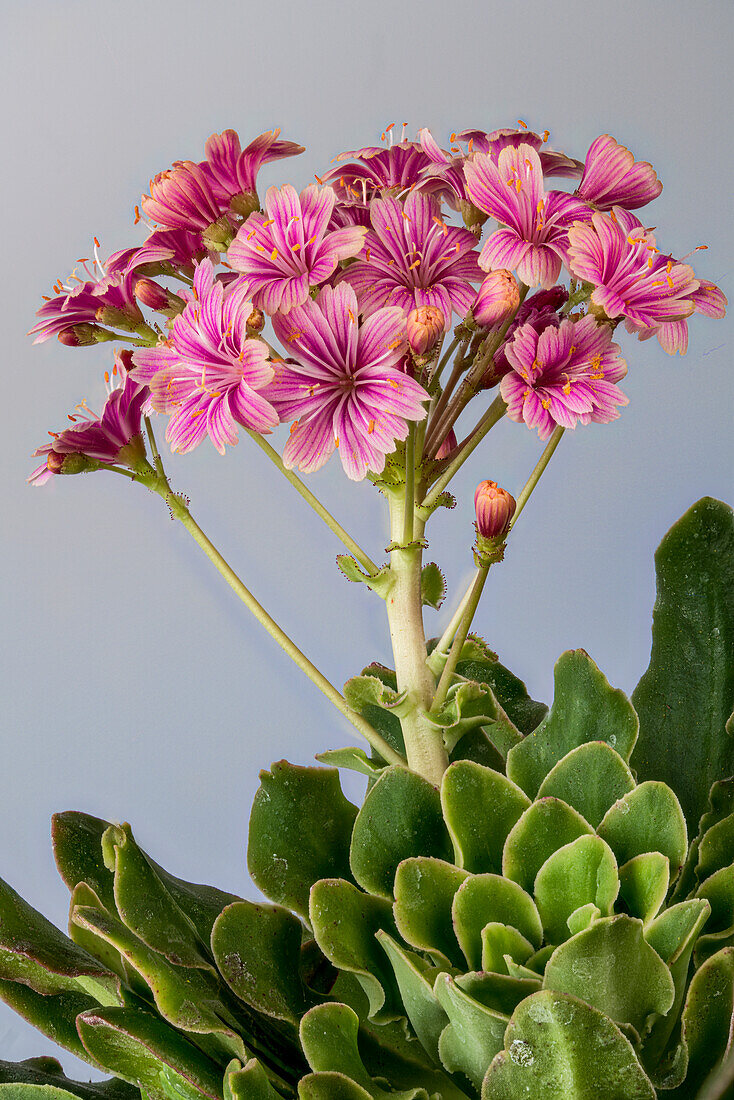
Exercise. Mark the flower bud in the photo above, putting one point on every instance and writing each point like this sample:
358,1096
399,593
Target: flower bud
448,445
127,319
424,328
159,298
84,335
255,323
218,236
244,204
497,299
474,218
69,464
495,508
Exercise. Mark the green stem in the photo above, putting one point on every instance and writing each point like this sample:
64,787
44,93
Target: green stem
423,742
409,507
157,460
445,358
444,642
344,537
180,512
534,478
494,413
458,644
437,415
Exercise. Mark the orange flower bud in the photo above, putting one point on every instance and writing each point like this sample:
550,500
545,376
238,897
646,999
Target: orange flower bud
497,299
494,507
425,327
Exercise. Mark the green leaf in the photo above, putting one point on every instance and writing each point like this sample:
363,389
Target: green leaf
611,967
500,992
721,804
374,695
345,921
248,1082
544,827
707,1019
525,713
478,837
482,899
585,708
433,585
559,1048
400,818
643,884
43,1079
352,759
137,1046
77,843
257,950
718,890
300,827
470,706
686,696
581,919
330,1086
716,849
674,932
53,1014
648,819
35,952
473,1035
589,778
499,941
424,893
380,582
415,980
581,873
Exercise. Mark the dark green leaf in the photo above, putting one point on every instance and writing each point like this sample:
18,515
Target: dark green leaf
648,819
424,893
415,979
54,1014
510,692
707,1020
473,1035
44,1079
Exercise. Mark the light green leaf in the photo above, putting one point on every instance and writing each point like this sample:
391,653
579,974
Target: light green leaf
589,778
480,807
473,1035
424,893
433,585
581,873
648,819
482,899
643,884
544,827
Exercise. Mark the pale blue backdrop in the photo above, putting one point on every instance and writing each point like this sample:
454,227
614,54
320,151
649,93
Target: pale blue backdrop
135,688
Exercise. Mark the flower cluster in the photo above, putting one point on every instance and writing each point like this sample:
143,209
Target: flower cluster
362,277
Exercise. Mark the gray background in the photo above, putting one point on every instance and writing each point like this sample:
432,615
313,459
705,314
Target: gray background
135,687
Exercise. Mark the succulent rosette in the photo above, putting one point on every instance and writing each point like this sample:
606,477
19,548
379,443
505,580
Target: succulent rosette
530,901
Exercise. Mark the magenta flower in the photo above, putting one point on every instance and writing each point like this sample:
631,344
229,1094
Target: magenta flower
539,310
395,168
286,253
631,277
535,239
709,300
109,299
411,258
113,437
162,249
209,372
553,163
343,387
563,375
184,197
233,170
612,177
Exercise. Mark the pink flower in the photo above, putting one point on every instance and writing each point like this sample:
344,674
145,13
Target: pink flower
233,170
209,372
411,258
164,249
184,197
631,277
709,300
494,508
536,238
377,168
563,375
113,437
109,299
612,177
553,163
284,254
342,384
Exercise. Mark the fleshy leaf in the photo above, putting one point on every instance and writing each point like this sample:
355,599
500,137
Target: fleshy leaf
582,918
559,1048
257,949
491,898
138,1046
43,1079
480,807
415,980
299,832
611,967
471,706
643,884
648,819
500,992
585,708
375,696
675,930
479,664
53,1014
401,817
345,921
473,1035
77,843
581,873
720,805
424,893
330,1086
248,1082
716,849
718,890
707,1018
500,941
433,585
352,759
686,696
543,828
589,778
380,582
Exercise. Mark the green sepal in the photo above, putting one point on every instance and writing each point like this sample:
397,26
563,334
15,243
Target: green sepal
581,873
138,1047
500,941
585,708
257,949
543,828
424,893
500,992
351,759
707,1018
478,663
686,696
433,586
482,899
146,907
473,1035
559,1048
643,884
590,778
415,980
610,966
648,819
248,1082
469,706
345,922
478,838
380,582
44,1079
401,817
299,832
33,951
